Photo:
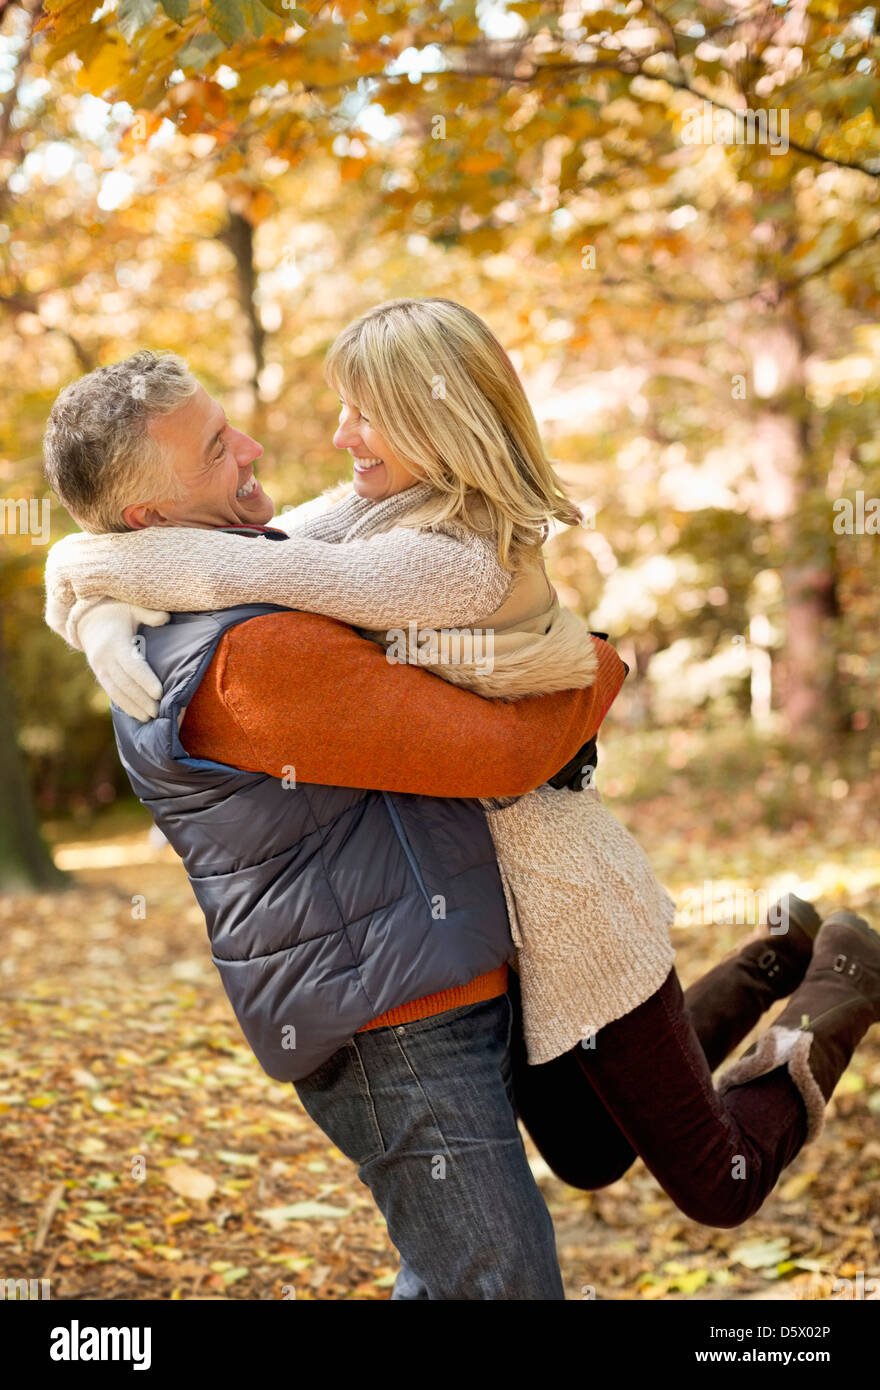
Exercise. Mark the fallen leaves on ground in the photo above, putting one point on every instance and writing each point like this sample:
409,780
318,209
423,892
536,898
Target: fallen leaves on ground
145,1155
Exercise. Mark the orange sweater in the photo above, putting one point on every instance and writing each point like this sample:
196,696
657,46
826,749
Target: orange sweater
299,695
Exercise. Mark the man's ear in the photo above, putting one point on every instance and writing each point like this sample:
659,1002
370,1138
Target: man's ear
142,514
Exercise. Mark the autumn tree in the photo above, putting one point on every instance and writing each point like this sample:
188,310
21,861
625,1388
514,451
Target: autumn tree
669,215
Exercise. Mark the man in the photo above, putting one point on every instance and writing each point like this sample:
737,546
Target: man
346,873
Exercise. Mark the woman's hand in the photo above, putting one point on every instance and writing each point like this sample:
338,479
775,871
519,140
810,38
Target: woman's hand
107,633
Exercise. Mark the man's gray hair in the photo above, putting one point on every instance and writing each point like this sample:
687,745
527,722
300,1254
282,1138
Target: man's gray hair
99,455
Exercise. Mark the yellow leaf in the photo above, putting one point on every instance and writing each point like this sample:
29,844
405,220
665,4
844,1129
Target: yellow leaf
374,26
106,68
794,1187
68,15
80,1233
652,1291
91,1146
189,1182
84,1078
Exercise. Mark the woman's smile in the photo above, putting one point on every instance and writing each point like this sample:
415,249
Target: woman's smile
366,465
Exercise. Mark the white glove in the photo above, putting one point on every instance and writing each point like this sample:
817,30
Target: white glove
107,636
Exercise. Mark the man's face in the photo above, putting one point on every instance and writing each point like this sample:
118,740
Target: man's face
214,464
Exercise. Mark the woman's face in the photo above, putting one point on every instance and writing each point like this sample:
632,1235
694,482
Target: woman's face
378,471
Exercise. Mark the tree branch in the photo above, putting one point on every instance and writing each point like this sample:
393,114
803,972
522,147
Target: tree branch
29,304
781,288
633,65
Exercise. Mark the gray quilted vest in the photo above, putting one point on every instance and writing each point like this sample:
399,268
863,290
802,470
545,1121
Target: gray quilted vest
325,906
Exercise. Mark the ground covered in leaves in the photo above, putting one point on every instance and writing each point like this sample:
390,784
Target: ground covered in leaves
144,1154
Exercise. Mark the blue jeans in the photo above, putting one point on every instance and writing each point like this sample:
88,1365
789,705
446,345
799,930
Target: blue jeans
425,1110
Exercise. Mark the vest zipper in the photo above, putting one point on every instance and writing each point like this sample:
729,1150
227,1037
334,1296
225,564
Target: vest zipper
407,848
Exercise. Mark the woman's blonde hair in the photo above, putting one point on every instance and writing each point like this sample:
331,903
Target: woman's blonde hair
432,378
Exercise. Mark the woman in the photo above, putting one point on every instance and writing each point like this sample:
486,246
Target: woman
443,527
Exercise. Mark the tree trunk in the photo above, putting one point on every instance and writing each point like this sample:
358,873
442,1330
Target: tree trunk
805,678
25,861
238,235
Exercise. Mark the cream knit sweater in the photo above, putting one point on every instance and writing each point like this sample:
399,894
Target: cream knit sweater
589,919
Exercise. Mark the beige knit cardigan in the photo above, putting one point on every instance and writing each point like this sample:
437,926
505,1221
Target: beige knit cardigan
589,919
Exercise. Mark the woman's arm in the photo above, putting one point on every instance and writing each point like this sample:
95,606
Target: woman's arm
294,691
438,578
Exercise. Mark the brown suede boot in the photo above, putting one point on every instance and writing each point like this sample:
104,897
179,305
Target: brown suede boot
726,1003
825,1019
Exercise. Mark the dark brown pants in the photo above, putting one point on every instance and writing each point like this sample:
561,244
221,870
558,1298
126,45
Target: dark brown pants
644,1088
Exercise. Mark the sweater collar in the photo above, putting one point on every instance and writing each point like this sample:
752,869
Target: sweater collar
369,516
372,516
